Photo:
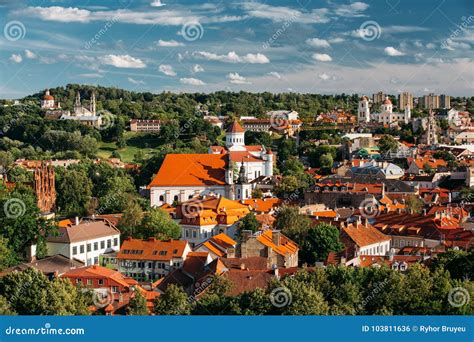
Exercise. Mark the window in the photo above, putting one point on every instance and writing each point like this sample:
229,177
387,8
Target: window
109,243
74,250
162,198
96,260
81,249
89,281
89,247
101,282
186,233
194,235
79,281
176,197
115,241
115,289
102,244
96,246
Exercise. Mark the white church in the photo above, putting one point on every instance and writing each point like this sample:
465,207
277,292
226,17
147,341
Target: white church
387,116
225,171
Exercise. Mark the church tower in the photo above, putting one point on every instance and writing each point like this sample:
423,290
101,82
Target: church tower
387,105
77,103
243,189
92,104
235,137
363,114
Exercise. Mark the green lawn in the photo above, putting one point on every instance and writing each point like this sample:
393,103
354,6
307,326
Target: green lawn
135,143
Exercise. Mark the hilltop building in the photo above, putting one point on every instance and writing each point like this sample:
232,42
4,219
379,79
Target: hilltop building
387,116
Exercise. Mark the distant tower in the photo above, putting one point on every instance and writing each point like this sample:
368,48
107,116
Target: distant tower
268,158
407,113
229,172
77,103
45,190
387,105
364,110
430,137
92,105
48,101
243,188
235,137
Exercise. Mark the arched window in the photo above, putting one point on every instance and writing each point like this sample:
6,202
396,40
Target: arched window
162,198
176,198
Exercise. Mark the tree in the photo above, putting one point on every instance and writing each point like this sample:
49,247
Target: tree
257,193
6,256
131,219
75,190
5,309
31,293
414,204
318,242
459,263
137,305
292,223
326,161
387,144
173,302
248,222
158,223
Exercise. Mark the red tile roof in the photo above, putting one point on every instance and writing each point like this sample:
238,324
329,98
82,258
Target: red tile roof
191,170
364,234
152,249
235,127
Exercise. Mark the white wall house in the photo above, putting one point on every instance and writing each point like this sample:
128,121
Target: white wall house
85,241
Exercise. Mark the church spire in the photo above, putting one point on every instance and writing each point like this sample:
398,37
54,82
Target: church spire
92,104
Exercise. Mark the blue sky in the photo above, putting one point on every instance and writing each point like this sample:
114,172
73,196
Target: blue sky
278,46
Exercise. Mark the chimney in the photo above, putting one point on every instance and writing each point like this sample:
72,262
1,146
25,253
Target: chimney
246,234
77,220
276,237
366,222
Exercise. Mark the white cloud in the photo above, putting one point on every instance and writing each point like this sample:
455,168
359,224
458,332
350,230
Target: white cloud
451,45
160,16
233,57
275,74
169,43
430,46
157,3
16,58
404,29
91,75
122,61
192,81
197,68
391,51
336,40
327,77
30,54
322,57
353,10
235,78
167,70
285,14
316,42
134,81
